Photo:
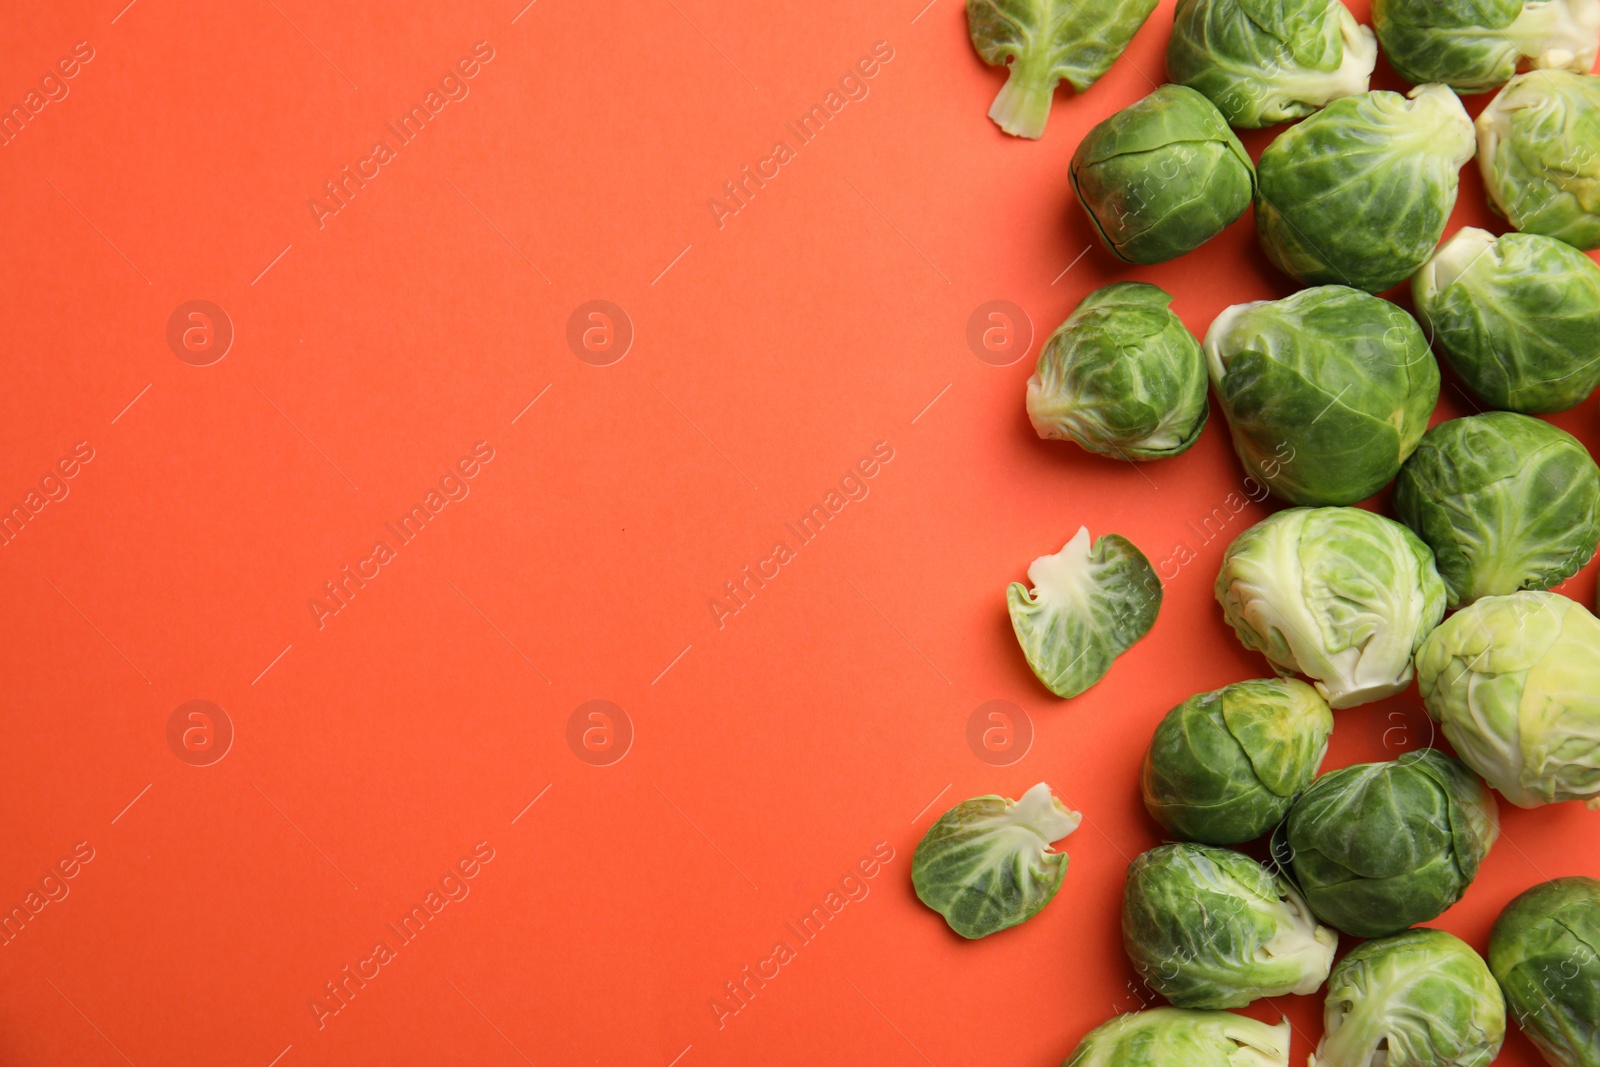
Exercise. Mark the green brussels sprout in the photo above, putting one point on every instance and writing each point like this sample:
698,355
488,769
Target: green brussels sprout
1163,176
986,865
1515,682
1122,377
1340,595
1539,150
1506,502
1088,605
1224,766
1212,928
1377,847
1268,61
1326,392
1421,998
1359,193
1476,45
1162,1037
1545,951
1044,41
1518,317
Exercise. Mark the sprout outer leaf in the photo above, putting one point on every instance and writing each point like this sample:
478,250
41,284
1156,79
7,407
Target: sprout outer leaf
987,865
1044,41
1088,605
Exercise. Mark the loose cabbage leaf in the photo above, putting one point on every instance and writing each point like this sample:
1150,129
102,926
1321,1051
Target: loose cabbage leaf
1045,41
1088,605
987,864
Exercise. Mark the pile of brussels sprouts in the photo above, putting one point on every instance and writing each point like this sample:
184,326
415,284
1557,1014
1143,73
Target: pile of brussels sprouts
1328,394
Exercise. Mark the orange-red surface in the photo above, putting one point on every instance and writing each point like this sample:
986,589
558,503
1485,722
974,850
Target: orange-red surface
386,340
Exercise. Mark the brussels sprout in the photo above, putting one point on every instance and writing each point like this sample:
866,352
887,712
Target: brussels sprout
1212,928
1475,45
1162,1037
1044,41
1326,392
1506,503
1539,150
1087,607
1518,317
1359,193
1340,595
1379,846
1267,61
987,865
1162,176
1545,950
1122,376
1224,767
1515,682
1422,998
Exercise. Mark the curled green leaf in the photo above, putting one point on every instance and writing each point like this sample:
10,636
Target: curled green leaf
987,865
1045,41
1088,605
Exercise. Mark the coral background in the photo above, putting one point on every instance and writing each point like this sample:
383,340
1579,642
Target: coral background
769,751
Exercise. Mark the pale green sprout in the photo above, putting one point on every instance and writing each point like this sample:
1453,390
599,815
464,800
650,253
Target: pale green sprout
1421,998
1165,1037
1212,928
1515,682
1545,951
1045,41
1339,595
1326,392
1476,45
1088,605
986,865
1122,377
1539,150
1517,317
1378,847
1359,193
1268,61
1223,767
1506,503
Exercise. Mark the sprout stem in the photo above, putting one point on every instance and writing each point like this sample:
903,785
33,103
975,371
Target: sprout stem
1023,105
